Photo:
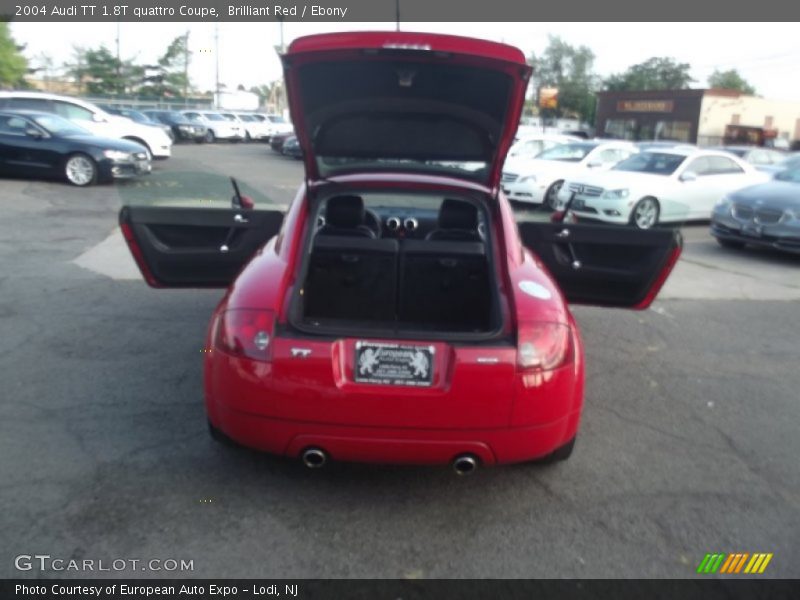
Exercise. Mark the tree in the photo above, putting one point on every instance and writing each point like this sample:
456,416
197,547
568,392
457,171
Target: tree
99,72
170,76
264,92
570,70
657,73
730,80
13,65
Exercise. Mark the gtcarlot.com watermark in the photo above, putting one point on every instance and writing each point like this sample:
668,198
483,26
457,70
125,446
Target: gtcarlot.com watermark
46,563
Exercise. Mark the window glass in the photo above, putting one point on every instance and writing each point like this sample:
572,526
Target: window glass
609,155
678,131
759,157
30,104
72,111
658,163
721,165
11,125
623,129
699,166
568,152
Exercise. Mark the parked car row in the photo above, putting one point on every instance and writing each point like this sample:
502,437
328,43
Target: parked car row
215,125
751,194
92,118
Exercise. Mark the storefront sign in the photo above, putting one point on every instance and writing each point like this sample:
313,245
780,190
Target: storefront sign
548,98
663,106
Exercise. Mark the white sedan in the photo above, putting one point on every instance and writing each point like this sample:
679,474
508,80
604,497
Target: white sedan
532,145
659,186
538,180
219,128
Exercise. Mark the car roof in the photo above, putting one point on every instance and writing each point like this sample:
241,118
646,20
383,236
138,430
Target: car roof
48,96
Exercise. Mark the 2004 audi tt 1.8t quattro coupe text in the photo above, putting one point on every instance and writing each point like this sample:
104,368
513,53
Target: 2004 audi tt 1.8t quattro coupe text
396,313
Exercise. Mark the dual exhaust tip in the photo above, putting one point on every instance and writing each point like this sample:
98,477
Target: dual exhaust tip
317,458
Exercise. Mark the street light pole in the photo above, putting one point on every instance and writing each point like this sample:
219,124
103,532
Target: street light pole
186,69
118,65
216,57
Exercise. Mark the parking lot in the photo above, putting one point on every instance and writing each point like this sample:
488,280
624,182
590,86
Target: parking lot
689,439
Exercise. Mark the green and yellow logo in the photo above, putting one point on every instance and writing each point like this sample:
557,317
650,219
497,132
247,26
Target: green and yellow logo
734,563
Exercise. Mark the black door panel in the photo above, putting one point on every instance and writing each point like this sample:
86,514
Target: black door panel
602,265
195,247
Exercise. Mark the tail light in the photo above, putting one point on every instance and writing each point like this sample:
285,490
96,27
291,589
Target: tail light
543,346
246,333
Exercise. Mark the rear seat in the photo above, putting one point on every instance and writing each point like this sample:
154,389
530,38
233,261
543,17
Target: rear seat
352,278
444,285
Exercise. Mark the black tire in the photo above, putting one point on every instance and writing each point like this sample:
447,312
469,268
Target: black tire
551,195
219,437
731,244
650,212
80,169
210,137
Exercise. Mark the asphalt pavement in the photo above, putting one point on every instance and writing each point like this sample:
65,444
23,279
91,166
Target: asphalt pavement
689,439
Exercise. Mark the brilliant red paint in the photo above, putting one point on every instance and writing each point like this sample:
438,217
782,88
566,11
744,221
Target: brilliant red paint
480,402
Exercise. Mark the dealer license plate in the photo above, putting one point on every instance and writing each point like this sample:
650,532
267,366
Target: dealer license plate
394,364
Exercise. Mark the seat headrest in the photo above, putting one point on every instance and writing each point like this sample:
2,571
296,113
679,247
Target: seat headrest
344,211
457,214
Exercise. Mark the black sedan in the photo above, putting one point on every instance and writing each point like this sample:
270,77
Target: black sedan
277,140
138,117
183,130
45,145
291,147
767,214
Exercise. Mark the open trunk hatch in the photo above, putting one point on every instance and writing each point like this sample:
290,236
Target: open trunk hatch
387,101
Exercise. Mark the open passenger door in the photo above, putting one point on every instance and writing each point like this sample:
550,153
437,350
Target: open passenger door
605,265
195,247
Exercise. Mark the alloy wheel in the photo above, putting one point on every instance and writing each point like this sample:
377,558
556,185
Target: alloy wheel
551,197
645,213
80,170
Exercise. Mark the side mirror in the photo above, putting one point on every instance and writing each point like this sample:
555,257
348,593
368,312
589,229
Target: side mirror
688,176
594,164
34,133
98,118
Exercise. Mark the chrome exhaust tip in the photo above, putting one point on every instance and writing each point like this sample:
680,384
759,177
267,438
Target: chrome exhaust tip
314,458
465,464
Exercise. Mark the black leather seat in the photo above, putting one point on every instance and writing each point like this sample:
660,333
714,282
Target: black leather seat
458,221
345,216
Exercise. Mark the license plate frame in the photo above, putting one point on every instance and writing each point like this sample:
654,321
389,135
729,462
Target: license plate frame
389,363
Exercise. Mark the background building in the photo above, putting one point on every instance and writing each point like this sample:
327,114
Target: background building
696,116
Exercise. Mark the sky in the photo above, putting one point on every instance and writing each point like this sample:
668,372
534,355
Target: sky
766,54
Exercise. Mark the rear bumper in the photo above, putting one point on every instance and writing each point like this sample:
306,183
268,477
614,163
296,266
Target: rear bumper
394,446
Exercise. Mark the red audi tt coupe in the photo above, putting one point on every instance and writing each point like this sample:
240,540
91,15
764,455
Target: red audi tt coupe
397,313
